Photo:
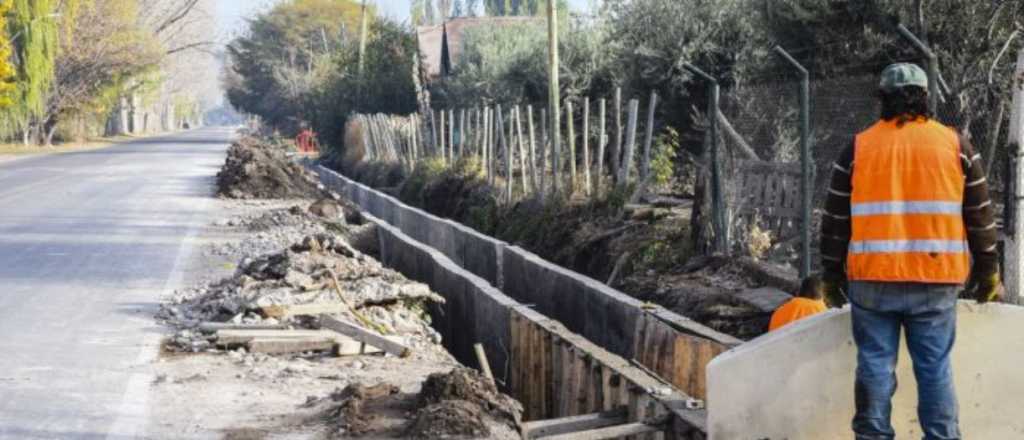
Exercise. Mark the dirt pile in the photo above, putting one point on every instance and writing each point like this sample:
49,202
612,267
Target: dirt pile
458,404
322,269
256,170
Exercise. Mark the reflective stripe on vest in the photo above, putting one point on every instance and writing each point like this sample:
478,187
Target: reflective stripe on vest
906,205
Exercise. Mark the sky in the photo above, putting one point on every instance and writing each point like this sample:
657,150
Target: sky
231,13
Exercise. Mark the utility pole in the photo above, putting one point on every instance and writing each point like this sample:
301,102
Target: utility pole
1013,256
362,39
553,90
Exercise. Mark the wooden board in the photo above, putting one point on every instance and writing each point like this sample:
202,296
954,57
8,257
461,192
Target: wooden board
290,345
365,336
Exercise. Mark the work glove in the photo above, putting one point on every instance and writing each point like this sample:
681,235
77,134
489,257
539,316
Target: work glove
985,288
833,286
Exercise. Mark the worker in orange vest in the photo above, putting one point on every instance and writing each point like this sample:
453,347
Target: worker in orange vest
907,212
810,300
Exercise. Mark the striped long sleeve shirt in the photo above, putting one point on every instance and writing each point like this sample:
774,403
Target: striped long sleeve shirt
978,214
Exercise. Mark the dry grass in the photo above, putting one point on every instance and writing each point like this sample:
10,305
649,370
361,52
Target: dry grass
89,144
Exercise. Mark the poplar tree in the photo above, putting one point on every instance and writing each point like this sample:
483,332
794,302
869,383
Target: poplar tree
34,51
6,68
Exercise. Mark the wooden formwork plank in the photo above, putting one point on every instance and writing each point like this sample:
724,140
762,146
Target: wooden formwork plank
565,379
537,371
568,425
516,352
557,379
628,430
593,387
583,379
550,391
607,403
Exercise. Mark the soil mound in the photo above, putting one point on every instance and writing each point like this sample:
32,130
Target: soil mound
256,170
463,384
450,419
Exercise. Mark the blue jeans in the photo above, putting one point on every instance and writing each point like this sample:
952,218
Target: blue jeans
927,312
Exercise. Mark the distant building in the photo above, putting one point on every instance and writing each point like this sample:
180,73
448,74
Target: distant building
442,45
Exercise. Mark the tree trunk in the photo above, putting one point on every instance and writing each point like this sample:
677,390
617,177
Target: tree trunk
51,129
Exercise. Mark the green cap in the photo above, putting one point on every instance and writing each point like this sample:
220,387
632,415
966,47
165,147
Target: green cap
901,75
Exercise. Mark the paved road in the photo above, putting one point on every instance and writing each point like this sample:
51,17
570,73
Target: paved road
89,241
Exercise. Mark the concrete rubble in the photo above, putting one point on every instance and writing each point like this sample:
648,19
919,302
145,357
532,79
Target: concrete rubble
249,346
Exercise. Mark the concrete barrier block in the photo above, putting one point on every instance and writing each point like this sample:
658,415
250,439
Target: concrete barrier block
481,254
529,279
797,382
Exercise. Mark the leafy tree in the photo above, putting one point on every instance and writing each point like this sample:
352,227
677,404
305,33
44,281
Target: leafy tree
285,54
386,85
35,49
7,85
105,49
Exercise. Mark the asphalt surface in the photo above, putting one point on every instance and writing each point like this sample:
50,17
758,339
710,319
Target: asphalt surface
89,242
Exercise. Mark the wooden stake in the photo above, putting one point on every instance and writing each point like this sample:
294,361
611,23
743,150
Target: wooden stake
617,150
543,152
601,142
451,137
627,156
485,366
505,150
571,126
462,132
586,144
533,152
522,152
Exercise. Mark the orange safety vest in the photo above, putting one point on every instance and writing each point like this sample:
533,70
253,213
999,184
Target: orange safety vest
906,206
794,310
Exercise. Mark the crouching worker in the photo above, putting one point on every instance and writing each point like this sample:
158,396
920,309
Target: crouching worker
808,301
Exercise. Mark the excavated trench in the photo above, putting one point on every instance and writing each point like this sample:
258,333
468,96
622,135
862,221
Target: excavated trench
561,343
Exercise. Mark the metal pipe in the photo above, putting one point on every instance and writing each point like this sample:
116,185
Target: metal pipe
718,217
934,95
806,172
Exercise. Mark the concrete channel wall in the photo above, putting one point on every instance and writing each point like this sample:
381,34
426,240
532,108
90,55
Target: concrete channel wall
797,383
674,347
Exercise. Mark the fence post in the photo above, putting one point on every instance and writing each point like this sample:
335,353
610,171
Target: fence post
571,125
806,172
586,145
485,146
1013,253
627,156
933,66
718,217
500,128
462,132
617,151
451,137
602,141
522,153
645,165
543,153
533,149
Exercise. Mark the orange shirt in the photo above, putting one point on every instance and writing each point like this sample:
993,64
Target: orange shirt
794,310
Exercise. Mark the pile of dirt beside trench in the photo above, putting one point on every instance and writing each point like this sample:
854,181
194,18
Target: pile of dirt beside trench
257,170
459,404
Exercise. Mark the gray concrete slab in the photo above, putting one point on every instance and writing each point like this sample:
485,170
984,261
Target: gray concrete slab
797,382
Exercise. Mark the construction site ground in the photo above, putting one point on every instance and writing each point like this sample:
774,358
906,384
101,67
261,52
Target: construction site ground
202,390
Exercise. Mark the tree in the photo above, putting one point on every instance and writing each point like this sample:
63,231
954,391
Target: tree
386,86
104,48
34,52
286,53
7,86
458,8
